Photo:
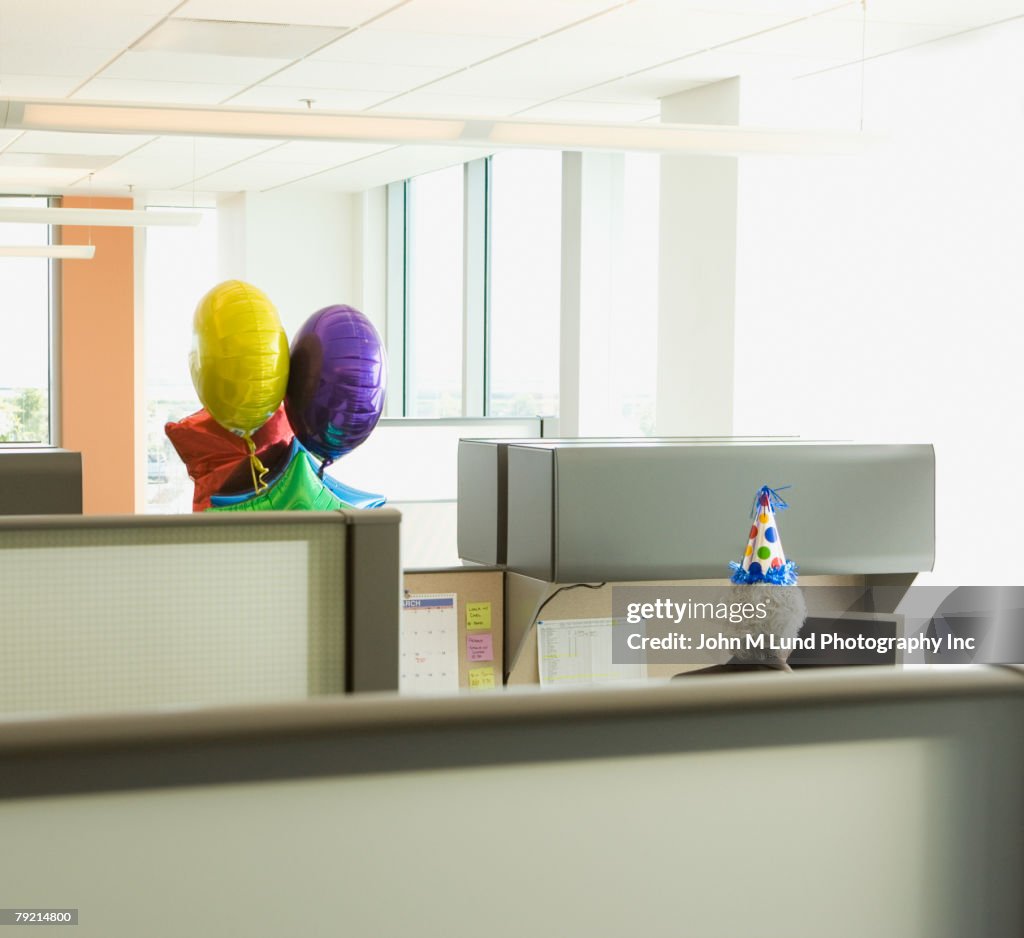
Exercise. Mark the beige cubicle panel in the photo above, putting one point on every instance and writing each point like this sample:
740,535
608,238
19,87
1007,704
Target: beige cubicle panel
150,611
480,618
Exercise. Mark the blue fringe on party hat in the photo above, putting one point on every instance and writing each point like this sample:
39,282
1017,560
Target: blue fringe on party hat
764,560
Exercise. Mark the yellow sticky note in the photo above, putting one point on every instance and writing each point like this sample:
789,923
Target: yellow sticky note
478,616
479,678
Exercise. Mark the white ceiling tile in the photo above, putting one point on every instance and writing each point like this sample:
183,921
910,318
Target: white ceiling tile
43,141
303,12
245,40
953,13
192,68
454,105
356,75
322,154
157,92
209,153
572,55
70,23
36,86
524,19
832,37
714,66
526,73
67,60
324,99
38,175
387,166
621,91
615,111
669,31
398,47
789,9
250,176
138,176
167,162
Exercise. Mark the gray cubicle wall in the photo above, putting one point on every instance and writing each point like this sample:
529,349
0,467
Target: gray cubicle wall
483,485
40,481
125,612
628,512
853,805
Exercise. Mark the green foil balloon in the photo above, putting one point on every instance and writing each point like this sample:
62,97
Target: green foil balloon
297,489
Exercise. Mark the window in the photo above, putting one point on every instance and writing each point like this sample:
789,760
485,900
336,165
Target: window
434,294
25,331
526,251
181,265
479,291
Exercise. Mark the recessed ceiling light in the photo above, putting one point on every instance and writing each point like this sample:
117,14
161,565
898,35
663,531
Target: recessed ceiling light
237,38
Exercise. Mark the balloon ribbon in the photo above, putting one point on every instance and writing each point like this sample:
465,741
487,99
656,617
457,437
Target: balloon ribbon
259,471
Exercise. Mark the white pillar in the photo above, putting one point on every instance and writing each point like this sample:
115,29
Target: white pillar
697,279
591,249
296,247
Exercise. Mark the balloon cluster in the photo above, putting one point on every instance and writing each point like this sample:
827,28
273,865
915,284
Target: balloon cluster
332,384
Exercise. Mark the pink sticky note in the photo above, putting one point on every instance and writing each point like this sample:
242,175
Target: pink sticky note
479,647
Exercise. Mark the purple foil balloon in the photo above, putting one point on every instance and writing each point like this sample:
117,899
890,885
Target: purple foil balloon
336,382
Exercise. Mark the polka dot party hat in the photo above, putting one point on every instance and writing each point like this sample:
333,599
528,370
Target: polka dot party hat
764,560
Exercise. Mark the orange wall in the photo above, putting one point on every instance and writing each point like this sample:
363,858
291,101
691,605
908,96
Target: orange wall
98,361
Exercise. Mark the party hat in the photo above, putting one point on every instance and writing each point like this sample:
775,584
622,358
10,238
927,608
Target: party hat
764,560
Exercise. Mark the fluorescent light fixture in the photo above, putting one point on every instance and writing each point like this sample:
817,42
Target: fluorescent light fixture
711,139
98,217
226,122
81,252
325,125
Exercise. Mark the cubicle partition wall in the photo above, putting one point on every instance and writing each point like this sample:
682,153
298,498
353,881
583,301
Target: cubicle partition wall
483,483
872,803
125,612
40,481
676,512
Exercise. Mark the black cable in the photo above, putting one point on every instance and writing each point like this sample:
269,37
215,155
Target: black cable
562,589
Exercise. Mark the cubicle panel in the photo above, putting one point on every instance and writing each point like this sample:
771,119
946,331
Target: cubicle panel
472,632
602,512
795,807
483,485
40,481
116,613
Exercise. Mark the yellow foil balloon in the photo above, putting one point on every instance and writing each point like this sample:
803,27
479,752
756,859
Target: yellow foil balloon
239,358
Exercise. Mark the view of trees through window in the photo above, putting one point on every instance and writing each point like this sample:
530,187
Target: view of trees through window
181,265
25,327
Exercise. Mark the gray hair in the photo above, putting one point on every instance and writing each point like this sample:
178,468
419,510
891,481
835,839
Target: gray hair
786,613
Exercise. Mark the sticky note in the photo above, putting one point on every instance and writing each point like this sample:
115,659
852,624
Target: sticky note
480,647
480,678
478,616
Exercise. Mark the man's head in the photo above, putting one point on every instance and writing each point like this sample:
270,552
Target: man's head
786,613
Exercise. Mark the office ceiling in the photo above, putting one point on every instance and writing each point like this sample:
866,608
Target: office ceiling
595,60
